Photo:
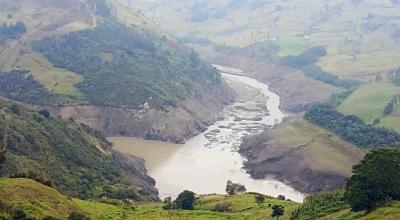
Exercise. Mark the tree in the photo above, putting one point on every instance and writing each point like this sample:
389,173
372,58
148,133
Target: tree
168,204
375,180
277,211
281,197
18,214
260,199
234,188
185,200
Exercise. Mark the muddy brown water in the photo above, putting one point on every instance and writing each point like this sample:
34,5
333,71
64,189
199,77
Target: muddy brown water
205,162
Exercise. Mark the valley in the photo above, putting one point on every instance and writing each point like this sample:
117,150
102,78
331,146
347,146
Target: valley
230,109
213,154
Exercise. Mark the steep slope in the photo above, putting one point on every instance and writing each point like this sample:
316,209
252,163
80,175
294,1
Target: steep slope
99,53
75,159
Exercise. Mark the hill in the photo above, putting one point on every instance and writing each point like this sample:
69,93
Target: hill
41,201
37,200
306,156
102,54
75,159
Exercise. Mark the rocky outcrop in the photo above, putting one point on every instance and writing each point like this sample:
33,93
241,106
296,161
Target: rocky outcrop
173,124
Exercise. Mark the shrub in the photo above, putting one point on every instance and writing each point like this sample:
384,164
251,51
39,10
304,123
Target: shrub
223,207
77,216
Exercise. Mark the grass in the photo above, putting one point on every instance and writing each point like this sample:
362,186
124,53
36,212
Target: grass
391,121
55,80
369,101
41,201
324,151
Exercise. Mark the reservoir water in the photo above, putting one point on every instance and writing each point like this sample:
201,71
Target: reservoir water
206,162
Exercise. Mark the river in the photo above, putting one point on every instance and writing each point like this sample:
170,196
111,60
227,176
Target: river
205,162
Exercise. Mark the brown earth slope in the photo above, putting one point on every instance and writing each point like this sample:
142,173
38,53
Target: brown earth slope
301,154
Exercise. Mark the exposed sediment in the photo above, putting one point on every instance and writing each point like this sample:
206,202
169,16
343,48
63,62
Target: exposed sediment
173,124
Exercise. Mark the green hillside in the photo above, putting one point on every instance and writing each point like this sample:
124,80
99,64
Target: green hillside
369,101
41,201
75,159
94,52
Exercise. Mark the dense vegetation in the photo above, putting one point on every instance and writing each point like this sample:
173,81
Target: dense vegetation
73,158
320,204
11,31
126,66
21,86
351,128
375,180
307,63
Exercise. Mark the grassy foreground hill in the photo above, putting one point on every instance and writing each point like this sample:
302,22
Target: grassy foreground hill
41,201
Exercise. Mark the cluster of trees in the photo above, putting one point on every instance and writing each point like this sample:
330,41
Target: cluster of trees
234,188
307,63
375,180
140,67
61,154
392,105
351,128
185,201
11,31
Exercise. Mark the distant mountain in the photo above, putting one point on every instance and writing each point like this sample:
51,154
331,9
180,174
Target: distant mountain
74,159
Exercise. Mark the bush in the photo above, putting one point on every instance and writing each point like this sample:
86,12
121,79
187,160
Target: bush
260,199
45,113
281,197
223,207
77,216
